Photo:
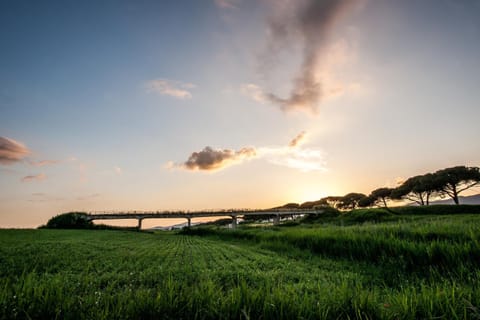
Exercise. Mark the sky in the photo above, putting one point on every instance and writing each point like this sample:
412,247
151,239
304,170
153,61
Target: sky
209,104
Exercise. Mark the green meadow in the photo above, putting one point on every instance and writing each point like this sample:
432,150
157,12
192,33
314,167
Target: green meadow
366,266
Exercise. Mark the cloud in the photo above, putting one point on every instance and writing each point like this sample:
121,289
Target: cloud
31,178
210,159
118,170
298,140
43,163
310,22
333,73
254,92
8,171
12,151
43,197
295,156
291,156
176,89
227,4
305,160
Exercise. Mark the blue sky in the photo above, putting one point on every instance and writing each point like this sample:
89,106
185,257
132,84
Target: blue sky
114,102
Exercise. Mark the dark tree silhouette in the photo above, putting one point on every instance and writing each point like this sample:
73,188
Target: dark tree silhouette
350,200
380,196
418,189
366,202
452,181
312,204
332,201
70,220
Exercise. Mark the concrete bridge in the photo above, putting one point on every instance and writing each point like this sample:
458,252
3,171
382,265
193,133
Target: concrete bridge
189,215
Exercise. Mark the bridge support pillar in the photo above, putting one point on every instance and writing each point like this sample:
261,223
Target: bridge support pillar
189,222
276,219
139,226
234,222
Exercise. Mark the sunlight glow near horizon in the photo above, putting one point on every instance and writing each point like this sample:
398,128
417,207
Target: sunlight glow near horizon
116,102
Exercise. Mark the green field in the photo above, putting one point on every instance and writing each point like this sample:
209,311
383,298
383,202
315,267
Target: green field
407,267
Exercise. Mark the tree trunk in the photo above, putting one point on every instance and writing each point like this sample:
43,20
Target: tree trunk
455,198
455,194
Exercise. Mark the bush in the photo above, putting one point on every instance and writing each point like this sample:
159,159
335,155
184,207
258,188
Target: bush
327,212
70,220
384,214
290,224
219,222
364,215
437,209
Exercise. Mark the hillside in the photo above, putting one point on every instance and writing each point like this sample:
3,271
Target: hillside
474,199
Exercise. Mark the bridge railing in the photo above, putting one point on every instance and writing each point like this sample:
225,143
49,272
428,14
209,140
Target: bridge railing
193,212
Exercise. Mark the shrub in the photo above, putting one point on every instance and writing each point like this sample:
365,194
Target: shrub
327,212
70,220
437,209
364,215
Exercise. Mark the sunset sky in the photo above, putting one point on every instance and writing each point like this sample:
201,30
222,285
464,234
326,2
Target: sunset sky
204,104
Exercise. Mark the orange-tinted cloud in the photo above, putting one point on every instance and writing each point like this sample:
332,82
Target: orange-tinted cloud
293,156
12,151
176,89
298,140
37,177
210,159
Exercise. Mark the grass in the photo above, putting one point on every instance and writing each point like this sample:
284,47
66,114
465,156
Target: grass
409,267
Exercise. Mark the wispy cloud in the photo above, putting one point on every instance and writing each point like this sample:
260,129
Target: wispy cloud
302,159
333,74
12,151
42,163
298,140
292,156
309,22
254,92
43,197
176,89
227,4
295,155
31,178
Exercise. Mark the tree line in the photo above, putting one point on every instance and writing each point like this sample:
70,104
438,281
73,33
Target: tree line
421,189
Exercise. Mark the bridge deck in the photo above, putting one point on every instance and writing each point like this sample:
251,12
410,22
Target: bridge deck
196,214
141,215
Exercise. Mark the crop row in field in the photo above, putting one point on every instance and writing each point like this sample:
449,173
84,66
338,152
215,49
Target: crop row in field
449,244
